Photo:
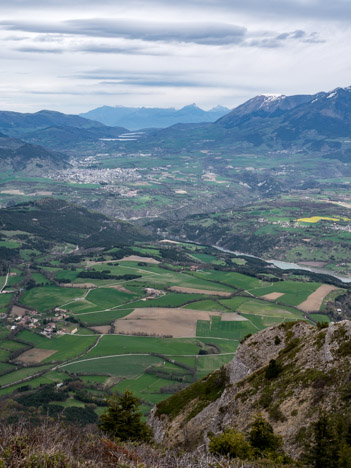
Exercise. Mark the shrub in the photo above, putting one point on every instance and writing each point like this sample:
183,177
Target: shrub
273,369
262,437
277,340
231,443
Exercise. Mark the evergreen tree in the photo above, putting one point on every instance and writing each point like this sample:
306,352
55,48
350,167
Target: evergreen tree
123,420
325,450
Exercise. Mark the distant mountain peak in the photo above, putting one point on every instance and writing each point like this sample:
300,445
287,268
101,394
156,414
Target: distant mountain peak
191,106
135,118
219,108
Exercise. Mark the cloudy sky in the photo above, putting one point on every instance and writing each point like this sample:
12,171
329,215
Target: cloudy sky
75,55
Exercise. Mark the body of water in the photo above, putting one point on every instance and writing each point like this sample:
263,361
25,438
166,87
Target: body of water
291,266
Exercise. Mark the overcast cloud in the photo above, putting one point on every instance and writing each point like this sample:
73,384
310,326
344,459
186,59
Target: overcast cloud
74,56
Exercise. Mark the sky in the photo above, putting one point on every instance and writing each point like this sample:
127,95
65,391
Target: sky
75,55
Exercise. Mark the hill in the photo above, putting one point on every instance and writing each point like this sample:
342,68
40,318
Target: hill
311,232
291,373
143,117
317,124
54,129
56,220
17,155
296,121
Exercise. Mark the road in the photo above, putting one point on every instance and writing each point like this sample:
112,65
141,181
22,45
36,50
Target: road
5,284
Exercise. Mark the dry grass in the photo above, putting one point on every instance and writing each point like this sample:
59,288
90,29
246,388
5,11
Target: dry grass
200,291
35,355
179,323
18,311
120,288
314,301
136,258
79,285
162,321
55,445
272,296
232,317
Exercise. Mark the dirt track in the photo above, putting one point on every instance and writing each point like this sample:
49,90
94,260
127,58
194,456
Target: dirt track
103,329
120,288
80,285
136,258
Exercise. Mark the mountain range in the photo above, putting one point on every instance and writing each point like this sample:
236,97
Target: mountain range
143,117
319,123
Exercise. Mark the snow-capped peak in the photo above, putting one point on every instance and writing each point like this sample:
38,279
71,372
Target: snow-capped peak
274,97
269,98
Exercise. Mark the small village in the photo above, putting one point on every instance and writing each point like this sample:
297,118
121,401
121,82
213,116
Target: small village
24,317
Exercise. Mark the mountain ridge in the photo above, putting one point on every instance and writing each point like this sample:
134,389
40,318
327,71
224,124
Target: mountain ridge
135,118
312,371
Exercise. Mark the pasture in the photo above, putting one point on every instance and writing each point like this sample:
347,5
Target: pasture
122,366
264,308
48,297
294,292
66,346
118,344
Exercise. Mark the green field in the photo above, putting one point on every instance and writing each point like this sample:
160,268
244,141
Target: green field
44,298
230,330
170,299
91,319
21,374
263,308
67,346
235,302
320,318
235,280
121,361
118,344
207,304
294,292
123,366
4,301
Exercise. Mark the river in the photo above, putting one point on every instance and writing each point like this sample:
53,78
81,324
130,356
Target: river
291,266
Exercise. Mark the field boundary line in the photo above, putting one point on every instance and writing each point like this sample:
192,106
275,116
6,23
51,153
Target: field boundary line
142,354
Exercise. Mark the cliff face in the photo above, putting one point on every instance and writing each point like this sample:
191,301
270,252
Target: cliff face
289,373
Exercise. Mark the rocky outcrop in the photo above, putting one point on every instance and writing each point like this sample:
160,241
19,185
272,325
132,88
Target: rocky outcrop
310,371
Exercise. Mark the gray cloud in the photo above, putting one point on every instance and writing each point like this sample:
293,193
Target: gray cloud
162,79
158,83
278,40
323,9
39,50
91,93
202,33
125,50
170,52
196,32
